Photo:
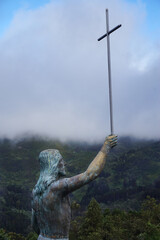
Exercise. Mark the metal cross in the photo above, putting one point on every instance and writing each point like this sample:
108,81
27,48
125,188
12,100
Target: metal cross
109,65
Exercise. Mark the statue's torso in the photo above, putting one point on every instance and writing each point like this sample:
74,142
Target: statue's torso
53,213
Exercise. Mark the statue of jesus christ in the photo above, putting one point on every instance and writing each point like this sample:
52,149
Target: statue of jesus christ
51,210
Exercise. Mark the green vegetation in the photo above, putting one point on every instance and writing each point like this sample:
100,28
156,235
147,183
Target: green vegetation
130,175
118,224
14,236
91,226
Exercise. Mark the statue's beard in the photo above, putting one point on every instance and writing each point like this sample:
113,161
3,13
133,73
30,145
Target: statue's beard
62,173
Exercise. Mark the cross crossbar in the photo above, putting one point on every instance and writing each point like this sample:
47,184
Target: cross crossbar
105,35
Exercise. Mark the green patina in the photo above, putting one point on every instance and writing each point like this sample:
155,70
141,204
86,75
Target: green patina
51,209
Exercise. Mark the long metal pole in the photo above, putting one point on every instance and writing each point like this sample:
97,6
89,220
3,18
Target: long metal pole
109,72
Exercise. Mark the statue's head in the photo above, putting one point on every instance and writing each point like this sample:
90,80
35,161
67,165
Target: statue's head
51,163
52,167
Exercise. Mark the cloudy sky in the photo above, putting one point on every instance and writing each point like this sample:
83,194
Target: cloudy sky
53,71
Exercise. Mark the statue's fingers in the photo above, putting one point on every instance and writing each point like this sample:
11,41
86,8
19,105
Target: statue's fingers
113,142
113,138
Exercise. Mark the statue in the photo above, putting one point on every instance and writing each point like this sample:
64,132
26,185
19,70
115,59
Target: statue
51,211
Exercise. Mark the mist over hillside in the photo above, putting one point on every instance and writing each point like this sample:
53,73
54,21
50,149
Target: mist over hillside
131,173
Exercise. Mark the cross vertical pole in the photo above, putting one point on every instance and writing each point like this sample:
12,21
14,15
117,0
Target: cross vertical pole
109,72
108,32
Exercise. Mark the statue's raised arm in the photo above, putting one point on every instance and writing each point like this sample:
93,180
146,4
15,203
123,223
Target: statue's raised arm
51,210
94,169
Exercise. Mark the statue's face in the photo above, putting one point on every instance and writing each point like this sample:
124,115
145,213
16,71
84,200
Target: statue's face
61,167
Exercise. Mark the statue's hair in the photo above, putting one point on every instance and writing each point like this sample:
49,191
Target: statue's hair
49,170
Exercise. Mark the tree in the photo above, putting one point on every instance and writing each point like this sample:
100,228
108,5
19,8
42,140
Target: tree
32,236
15,236
114,225
151,210
4,235
74,228
92,223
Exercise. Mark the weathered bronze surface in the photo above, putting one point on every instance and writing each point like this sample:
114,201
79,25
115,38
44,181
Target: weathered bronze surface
51,210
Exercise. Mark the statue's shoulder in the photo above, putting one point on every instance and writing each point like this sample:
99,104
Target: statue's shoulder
59,185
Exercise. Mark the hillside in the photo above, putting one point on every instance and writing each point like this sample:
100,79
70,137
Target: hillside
131,173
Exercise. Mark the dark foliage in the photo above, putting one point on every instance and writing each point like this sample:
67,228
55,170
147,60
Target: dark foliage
118,224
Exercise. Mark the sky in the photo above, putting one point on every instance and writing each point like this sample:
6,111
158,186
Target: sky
53,71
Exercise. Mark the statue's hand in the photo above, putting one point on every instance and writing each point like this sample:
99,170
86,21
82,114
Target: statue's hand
111,141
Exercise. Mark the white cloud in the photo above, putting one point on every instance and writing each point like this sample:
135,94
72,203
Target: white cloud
53,72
